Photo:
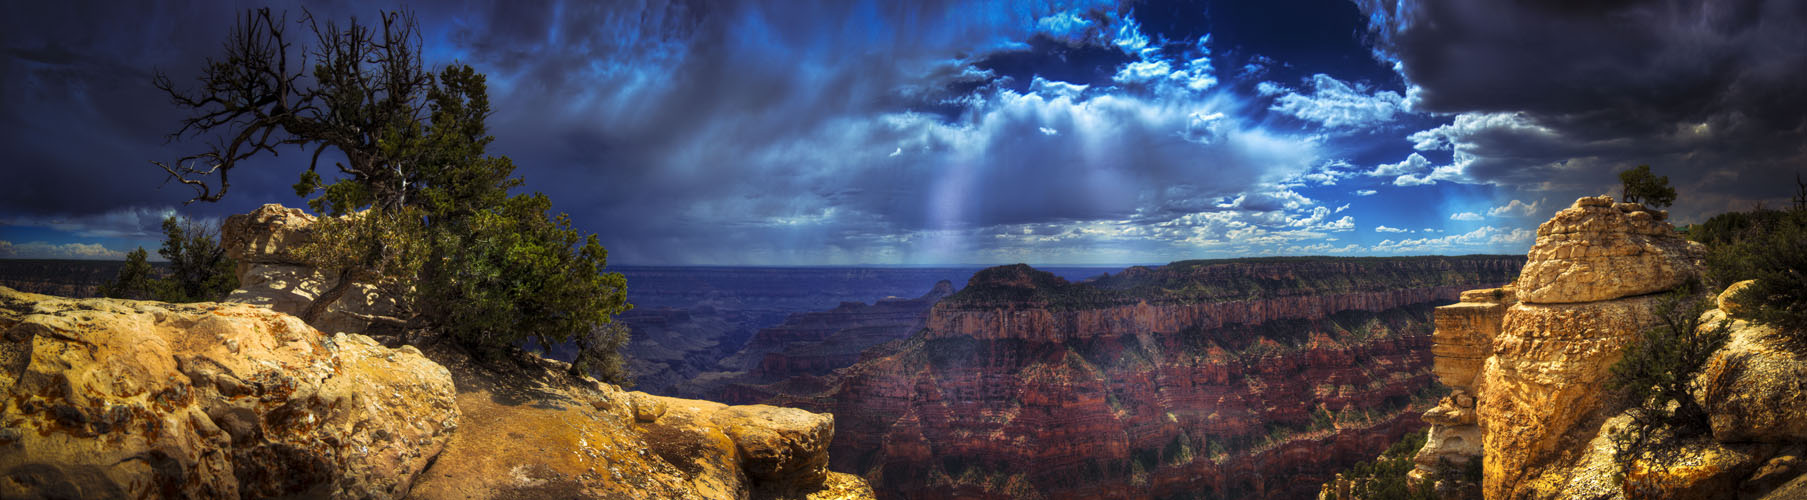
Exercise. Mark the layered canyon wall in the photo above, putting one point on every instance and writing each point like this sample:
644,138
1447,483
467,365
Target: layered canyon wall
1228,379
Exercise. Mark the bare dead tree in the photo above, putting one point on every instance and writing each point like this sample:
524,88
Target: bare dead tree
365,96
366,86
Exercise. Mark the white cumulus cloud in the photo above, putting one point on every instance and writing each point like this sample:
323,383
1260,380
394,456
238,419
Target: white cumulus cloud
1338,104
1514,208
1485,238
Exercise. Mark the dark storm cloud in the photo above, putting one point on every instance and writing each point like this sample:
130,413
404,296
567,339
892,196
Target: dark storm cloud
842,121
818,132
1561,94
83,120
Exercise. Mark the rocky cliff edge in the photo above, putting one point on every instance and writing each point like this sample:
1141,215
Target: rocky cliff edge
108,398
1528,365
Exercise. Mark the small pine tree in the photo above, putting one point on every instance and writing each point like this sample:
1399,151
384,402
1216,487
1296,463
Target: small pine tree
133,281
198,267
1640,186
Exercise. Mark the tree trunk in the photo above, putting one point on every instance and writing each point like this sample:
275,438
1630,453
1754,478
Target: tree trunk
328,297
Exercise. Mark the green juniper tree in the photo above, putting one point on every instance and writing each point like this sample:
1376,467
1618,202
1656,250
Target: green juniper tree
134,281
1769,246
199,269
1638,185
421,209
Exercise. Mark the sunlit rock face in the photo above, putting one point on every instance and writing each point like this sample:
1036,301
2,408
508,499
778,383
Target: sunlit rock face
1243,379
108,398
1597,250
1593,284
531,431
137,399
1460,345
1754,389
271,274
1750,388
1588,290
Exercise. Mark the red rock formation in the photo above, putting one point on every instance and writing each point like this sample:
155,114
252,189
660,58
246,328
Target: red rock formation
1044,325
1196,379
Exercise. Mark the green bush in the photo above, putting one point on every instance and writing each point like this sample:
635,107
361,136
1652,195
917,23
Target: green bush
1655,376
134,281
1769,246
1384,478
198,267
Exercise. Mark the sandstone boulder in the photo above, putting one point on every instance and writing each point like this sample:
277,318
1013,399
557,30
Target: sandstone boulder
270,274
1596,250
1728,300
1754,388
773,451
779,446
116,398
1589,288
267,235
531,431
1698,471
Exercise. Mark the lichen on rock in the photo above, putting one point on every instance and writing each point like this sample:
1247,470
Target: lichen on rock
120,398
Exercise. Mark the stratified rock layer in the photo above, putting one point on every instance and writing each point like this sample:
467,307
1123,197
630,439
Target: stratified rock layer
1026,386
816,343
115,398
1596,250
1587,292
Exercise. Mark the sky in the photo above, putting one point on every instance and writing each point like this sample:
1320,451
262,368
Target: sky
846,132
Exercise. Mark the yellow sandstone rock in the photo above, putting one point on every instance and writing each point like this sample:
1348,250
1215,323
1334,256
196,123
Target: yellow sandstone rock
112,398
270,274
1589,288
1596,251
